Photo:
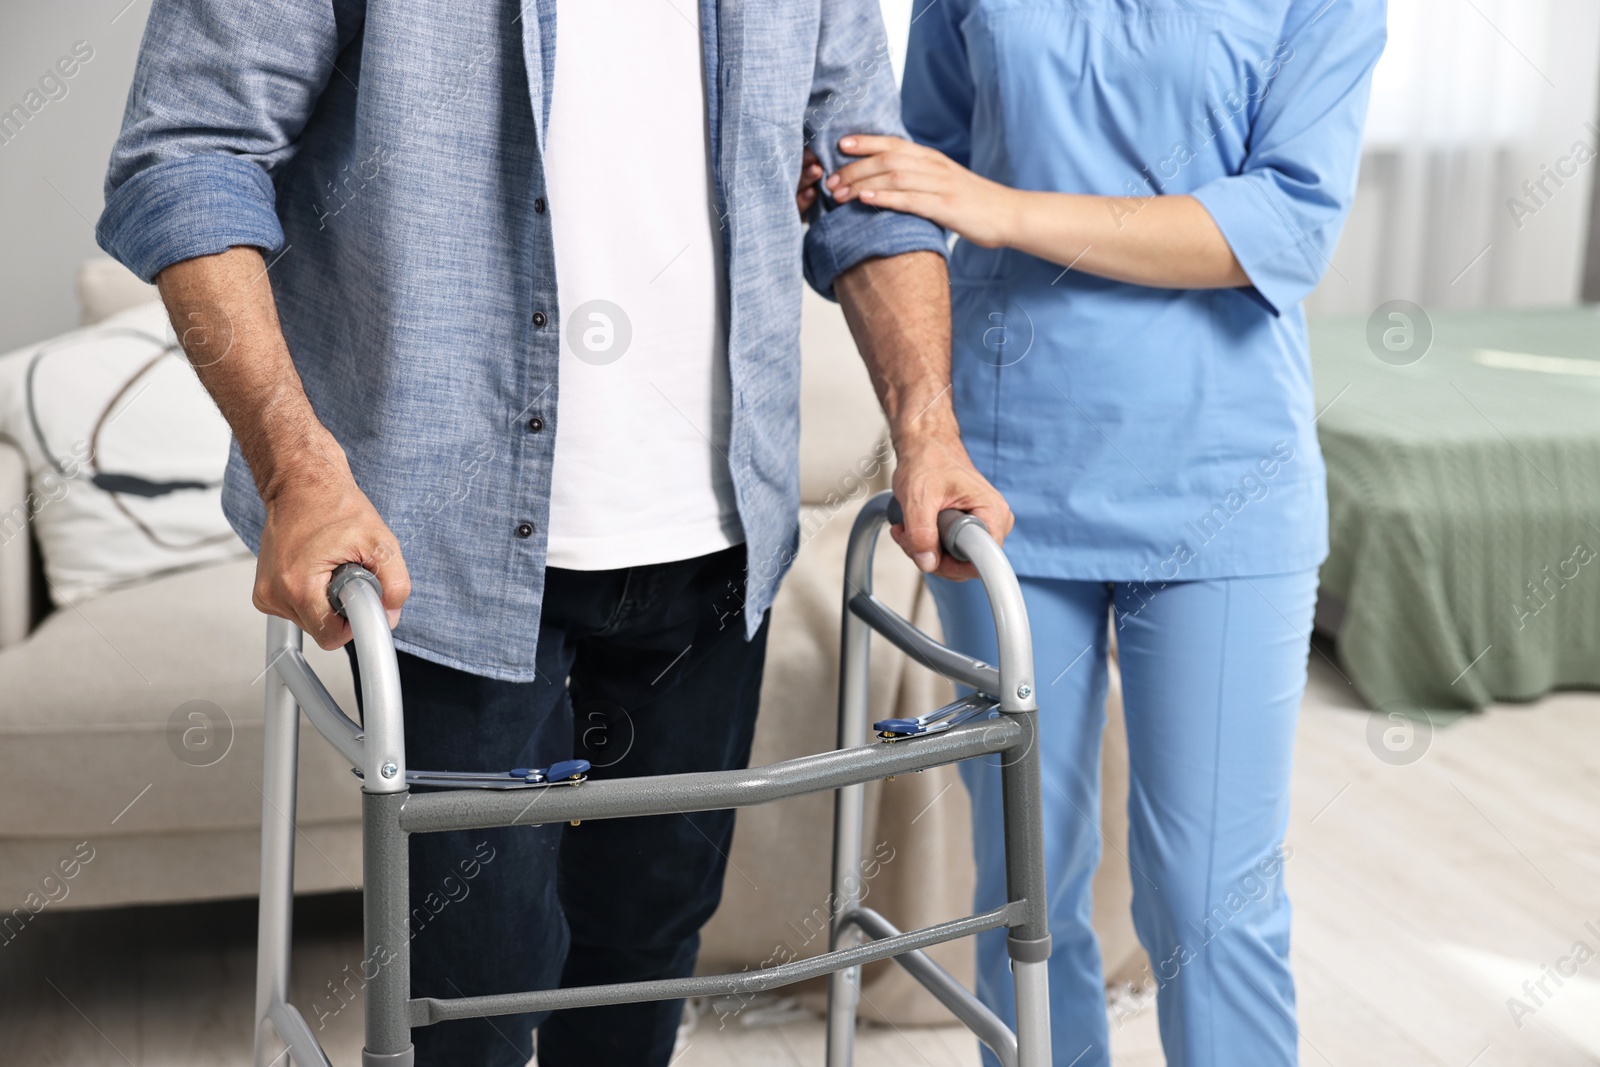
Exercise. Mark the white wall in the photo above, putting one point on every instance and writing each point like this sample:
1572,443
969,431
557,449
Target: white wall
51,172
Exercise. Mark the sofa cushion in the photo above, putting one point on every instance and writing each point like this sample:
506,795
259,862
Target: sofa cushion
125,453
16,556
163,868
843,436
152,696
106,287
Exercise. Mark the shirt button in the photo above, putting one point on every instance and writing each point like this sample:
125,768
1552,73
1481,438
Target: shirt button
525,529
538,206
540,318
535,424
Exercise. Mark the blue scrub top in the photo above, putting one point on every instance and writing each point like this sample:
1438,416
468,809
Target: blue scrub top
1141,433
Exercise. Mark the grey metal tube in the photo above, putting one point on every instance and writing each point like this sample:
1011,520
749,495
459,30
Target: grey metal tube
320,707
355,593
1029,941
708,791
386,967
1032,984
426,1010
849,802
989,1027
1017,691
291,1026
1020,787
1020,775
966,538
922,648
275,915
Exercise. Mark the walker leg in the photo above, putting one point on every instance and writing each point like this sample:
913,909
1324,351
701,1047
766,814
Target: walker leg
844,991
1029,941
386,967
844,987
275,923
1032,984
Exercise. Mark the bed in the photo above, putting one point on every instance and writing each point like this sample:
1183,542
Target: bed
1464,503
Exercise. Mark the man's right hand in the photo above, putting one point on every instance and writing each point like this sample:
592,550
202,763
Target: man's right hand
316,521
317,517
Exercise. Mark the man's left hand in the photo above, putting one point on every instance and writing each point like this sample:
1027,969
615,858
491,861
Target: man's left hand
810,178
933,473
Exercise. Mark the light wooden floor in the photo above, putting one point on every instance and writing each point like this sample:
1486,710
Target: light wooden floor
1426,894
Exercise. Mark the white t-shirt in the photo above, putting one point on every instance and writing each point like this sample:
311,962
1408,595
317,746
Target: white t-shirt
641,468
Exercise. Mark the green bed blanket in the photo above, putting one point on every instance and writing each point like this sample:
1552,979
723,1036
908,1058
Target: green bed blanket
1464,506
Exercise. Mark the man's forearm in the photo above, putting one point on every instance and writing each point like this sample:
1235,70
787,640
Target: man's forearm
316,516
222,309
898,308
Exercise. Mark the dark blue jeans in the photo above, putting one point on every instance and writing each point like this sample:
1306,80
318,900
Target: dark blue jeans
642,671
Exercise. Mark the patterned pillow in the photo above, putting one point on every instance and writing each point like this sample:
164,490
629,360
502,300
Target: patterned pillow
125,454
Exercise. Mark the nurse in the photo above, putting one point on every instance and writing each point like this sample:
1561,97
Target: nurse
1144,192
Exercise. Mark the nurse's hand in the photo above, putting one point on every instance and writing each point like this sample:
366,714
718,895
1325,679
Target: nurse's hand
904,176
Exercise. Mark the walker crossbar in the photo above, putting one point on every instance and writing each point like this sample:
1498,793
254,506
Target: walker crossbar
390,812
922,648
438,1009
989,1027
617,798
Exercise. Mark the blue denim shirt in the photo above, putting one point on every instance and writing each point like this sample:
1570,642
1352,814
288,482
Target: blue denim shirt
387,156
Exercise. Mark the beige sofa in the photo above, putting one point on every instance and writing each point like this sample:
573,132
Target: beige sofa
98,701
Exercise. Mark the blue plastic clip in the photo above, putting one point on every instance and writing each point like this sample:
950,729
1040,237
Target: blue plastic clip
967,709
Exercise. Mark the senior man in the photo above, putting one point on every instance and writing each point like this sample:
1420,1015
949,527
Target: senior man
503,302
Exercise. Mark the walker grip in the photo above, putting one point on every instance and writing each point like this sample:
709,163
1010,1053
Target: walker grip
951,523
343,575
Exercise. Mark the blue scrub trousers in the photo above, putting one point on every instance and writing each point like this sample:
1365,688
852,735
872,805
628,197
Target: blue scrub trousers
1212,676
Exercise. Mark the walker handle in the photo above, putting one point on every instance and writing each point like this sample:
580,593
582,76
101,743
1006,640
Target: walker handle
356,593
951,523
339,584
966,538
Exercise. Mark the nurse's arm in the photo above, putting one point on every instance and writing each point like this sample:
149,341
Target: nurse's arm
1166,242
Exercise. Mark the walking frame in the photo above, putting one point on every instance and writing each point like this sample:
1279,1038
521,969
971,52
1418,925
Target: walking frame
996,720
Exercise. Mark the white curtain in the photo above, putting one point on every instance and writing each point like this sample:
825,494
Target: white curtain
1471,99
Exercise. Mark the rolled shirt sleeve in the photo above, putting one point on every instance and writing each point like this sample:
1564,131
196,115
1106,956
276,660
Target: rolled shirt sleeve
853,91
221,92
1283,212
